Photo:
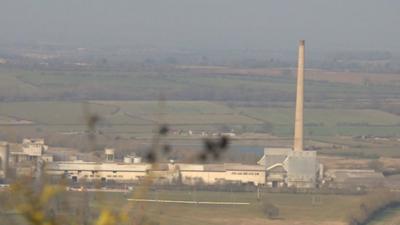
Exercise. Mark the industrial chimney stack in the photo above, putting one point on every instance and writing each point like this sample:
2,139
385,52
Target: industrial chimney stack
298,128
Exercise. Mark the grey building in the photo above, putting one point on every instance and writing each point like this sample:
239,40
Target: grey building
347,178
288,168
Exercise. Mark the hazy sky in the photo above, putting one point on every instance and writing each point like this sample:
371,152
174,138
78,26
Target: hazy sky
205,24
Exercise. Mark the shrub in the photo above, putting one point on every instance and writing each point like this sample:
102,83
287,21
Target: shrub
270,210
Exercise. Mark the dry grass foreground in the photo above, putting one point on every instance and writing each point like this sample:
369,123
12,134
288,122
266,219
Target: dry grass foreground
258,221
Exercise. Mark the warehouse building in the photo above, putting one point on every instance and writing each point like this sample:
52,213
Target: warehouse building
345,178
32,150
287,168
189,174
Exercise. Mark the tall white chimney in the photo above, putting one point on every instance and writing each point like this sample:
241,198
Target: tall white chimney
298,127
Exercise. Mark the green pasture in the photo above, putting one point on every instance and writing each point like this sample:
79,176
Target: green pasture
53,113
329,122
328,117
143,117
292,207
145,85
24,96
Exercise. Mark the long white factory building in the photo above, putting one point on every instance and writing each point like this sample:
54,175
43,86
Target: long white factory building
189,174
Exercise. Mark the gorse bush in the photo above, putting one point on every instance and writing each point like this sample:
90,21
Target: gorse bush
371,205
270,210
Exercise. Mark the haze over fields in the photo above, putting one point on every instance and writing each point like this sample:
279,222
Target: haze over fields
183,111
223,65
205,24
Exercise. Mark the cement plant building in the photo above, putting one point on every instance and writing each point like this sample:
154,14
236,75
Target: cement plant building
278,167
283,167
293,167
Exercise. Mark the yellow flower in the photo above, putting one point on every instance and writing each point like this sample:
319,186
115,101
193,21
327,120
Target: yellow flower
106,218
48,192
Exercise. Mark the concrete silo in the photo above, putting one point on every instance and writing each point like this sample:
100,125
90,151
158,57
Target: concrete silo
110,154
4,156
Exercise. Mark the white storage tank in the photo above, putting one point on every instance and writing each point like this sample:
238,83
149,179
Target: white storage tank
137,159
128,159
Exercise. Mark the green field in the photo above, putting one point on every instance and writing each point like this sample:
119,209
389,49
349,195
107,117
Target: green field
330,122
292,207
53,113
141,116
19,84
57,104
63,120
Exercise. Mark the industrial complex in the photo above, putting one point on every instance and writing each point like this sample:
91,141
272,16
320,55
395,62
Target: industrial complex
278,167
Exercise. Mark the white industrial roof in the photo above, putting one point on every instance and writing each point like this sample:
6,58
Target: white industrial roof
92,166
